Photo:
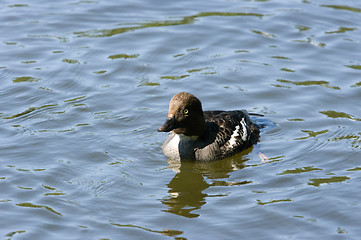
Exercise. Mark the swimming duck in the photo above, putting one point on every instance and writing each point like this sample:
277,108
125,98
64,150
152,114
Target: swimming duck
205,136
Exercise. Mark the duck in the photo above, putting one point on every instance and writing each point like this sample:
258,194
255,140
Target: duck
205,136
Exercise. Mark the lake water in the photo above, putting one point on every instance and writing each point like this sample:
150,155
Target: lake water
85,85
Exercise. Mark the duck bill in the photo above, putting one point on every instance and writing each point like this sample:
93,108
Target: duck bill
169,125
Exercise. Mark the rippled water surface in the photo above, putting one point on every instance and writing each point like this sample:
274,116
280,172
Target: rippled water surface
85,85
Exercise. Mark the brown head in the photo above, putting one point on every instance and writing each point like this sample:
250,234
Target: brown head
185,116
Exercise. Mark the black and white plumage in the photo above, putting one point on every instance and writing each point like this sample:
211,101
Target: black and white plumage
205,136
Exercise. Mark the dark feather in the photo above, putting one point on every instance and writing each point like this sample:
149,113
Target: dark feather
221,127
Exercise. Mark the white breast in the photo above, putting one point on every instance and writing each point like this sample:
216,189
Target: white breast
177,144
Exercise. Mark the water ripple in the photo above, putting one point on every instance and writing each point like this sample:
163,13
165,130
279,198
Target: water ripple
183,21
31,205
85,85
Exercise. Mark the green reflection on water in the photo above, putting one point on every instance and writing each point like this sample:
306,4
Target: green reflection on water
311,41
269,35
175,77
71,61
46,36
312,134
209,73
341,230
309,83
179,55
358,84
308,219
18,5
11,234
357,67
334,114
38,206
356,139
318,181
302,28
341,30
25,79
354,169
75,99
149,84
259,202
25,188
287,70
30,110
281,57
56,193
343,7
300,170
124,56
165,232
199,69
182,21
100,72
28,62
296,119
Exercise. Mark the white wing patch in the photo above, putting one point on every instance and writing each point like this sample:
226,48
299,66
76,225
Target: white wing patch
244,129
232,141
236,133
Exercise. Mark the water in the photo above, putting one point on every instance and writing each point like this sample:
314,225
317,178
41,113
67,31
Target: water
85,85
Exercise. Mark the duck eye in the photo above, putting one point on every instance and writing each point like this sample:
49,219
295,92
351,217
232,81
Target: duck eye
185,111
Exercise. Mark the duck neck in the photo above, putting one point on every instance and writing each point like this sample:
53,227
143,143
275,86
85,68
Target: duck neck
197,127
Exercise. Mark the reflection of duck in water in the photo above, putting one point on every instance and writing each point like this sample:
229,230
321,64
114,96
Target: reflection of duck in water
205,136
187,190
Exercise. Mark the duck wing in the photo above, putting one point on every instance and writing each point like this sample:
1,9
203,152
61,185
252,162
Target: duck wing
228,132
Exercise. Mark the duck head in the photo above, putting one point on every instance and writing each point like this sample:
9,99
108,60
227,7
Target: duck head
185,116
